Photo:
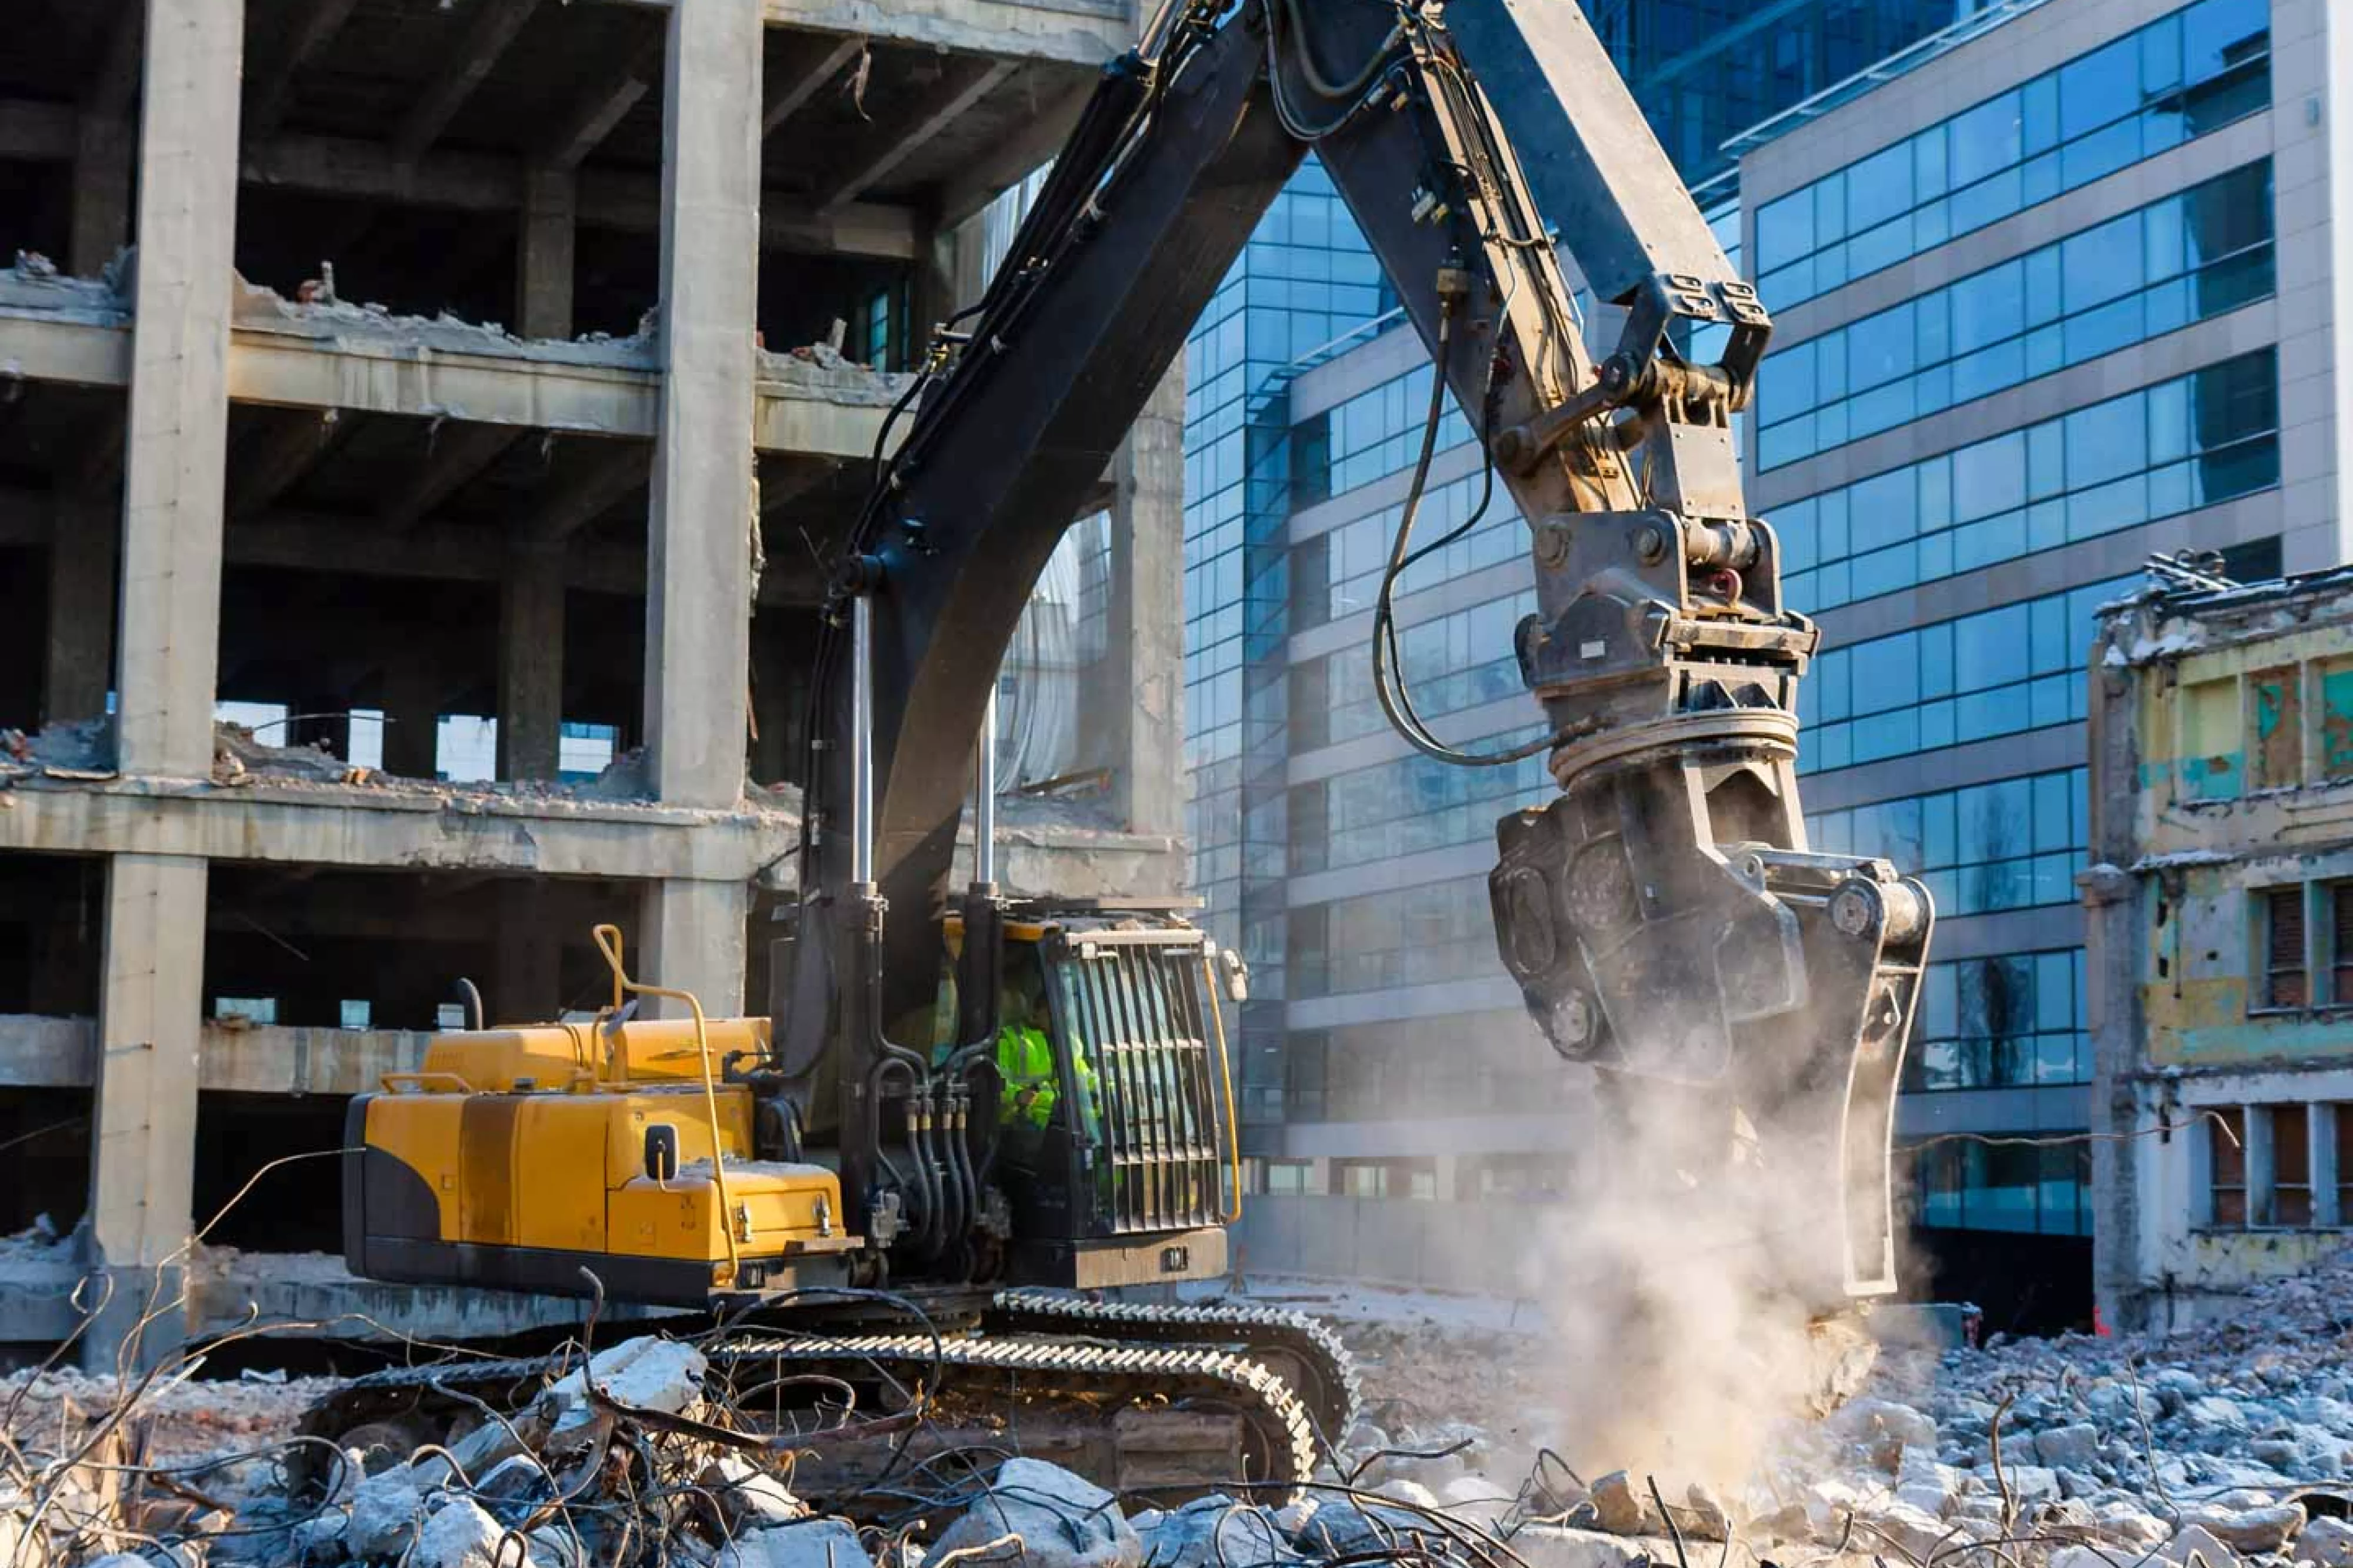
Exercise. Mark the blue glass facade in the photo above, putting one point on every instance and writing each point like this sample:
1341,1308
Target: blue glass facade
2194,441
2196,254
2177,78
1998,672
1305,278
1704,70
2007,1020
2014,844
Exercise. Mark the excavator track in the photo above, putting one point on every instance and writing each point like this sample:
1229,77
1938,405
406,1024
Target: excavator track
1167,1420
1306,1353
1092,1405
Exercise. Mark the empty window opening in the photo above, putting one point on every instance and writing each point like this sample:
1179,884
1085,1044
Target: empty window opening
2340,944
2226,1144
2284,983
2290,1199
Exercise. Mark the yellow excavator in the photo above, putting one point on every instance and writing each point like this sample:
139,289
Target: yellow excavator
894,1180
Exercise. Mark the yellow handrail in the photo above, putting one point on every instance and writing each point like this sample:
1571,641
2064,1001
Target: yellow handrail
393,1080
609,943
1226,1071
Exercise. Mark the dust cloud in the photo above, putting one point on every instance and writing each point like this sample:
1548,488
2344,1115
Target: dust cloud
1679,1343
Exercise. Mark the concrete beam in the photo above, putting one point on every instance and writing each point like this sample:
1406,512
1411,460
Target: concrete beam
38,132
494,26
36,1294
392,374
609,198
785,95
1011,158
328,541
515,391
175,477
1080,32
594,489
461,450
698,592
38,1052
601,108
423,827
965,84
275,459
69,350
267,93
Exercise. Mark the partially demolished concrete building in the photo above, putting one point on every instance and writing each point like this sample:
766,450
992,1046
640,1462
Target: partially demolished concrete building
390,374
2220,905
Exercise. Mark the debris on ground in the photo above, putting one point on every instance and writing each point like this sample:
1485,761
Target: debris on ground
2230,1443
2227,1445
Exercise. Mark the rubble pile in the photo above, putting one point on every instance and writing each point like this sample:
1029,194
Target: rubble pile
2226,1447
2230,1443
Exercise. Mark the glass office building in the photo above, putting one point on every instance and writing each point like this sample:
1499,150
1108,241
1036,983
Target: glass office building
1704,70
2027,300
2023,274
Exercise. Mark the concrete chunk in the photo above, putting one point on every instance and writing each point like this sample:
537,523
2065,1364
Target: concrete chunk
1064,1520
644,1373
460,1535
384,1510
811,1543
2328,1541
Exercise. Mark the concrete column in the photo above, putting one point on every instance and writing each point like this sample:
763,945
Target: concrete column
543,249
412,711
524,986
174,471
144,1147
531,665
699,572
933,288
1133,700
82,549
104,146
694,940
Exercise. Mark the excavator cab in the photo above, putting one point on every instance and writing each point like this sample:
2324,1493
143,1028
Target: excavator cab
1114,1128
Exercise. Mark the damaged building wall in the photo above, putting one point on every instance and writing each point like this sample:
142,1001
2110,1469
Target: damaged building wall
2222,913
455,622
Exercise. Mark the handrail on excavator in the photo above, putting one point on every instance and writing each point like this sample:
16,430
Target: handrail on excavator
609,944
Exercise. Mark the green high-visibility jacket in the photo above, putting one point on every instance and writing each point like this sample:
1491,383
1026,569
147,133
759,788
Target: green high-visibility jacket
1026,1061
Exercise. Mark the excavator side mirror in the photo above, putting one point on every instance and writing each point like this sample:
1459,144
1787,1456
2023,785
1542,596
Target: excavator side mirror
662,1152
1237,970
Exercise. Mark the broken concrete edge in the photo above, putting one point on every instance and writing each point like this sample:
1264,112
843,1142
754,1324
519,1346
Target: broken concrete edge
227,1288
815,371
2155,625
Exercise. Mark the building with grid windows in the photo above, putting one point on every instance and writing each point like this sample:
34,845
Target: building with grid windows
1386,1052
2221,902
1705,69
2048,300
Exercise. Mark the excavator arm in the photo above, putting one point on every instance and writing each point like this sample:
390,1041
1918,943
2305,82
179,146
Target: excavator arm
1662,915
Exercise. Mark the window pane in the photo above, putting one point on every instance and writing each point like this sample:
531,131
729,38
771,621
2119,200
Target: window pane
2098,87
1985,139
